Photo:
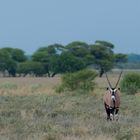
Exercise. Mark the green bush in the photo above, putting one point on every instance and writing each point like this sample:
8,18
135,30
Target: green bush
82,80
131,83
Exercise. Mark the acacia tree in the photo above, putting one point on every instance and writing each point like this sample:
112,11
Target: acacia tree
77,48
46,56
73,57
59,59
121,58
15,54
7,64
81,50
3,60
31,67
69,63
9,59
104,56
77,55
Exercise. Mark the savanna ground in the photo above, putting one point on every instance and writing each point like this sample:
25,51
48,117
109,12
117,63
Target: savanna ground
31,110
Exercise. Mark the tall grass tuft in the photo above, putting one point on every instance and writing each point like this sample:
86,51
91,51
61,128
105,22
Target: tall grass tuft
131,83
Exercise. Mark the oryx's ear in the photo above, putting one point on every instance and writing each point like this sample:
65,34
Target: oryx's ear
107,88
119,89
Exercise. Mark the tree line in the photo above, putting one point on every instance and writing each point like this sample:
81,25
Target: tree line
56,59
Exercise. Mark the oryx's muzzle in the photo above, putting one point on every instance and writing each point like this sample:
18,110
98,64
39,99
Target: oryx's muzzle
113,97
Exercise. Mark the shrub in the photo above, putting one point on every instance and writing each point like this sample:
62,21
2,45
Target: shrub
82,80
131,83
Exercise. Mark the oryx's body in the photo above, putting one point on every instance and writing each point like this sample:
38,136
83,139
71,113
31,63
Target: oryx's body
111,103
111,100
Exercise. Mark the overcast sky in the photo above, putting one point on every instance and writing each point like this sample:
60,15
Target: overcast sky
30,24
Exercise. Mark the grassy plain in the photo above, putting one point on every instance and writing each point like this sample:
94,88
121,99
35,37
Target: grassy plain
31,110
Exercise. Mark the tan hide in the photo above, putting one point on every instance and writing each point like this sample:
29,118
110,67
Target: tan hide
108,101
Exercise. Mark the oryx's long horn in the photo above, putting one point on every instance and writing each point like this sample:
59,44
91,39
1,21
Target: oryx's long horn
118,79
108,80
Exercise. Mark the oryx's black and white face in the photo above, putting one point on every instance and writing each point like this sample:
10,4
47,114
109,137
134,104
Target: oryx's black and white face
112,92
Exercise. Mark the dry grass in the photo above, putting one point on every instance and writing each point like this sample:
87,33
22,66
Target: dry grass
31,110
34,86
28,86
66,117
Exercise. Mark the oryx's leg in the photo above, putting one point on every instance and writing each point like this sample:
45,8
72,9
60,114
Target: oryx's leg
107,111
116,113
117,110
112,110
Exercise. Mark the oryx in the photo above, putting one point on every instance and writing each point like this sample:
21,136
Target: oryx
111,100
